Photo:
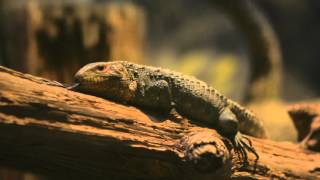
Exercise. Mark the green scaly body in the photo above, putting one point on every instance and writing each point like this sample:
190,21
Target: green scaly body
166,90
159,88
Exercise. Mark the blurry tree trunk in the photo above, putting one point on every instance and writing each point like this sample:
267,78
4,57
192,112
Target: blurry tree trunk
54,40
1,33
9,174
265,60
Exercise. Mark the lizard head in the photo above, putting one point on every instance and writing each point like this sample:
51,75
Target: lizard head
106,79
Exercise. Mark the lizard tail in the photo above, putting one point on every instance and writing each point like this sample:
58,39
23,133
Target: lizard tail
248,123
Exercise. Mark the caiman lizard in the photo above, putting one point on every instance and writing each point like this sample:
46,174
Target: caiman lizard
167,90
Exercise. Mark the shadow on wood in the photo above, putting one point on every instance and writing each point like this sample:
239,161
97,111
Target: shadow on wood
47,129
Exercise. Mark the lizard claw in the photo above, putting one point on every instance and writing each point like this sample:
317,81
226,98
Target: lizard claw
241,145
173,114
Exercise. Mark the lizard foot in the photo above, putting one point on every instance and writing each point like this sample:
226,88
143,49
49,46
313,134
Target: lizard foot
173,114
241,145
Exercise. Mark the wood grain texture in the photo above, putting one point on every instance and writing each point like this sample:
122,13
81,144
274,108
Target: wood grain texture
47,129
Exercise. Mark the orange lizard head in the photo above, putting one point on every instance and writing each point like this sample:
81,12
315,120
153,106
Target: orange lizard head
105,79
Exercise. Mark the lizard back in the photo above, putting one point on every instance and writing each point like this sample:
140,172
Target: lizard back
192,97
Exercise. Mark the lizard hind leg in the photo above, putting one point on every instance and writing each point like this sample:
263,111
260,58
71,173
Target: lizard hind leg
228,125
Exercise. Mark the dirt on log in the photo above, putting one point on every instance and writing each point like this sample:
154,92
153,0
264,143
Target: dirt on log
47,129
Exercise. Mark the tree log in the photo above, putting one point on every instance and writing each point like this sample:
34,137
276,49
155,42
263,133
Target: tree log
47,129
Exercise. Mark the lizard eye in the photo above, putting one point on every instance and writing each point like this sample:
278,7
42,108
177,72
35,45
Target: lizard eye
100,68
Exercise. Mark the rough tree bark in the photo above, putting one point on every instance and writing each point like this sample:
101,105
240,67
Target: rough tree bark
47,129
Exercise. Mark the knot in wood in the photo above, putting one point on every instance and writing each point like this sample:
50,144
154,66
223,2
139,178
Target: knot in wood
205,151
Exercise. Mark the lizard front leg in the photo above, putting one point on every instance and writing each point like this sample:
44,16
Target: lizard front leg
159,93
229,126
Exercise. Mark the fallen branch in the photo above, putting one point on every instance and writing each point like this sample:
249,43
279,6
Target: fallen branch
306,118
47,129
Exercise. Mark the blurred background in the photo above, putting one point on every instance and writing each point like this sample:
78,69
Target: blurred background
261,53
53,39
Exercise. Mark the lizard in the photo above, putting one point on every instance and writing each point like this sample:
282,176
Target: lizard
171,91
